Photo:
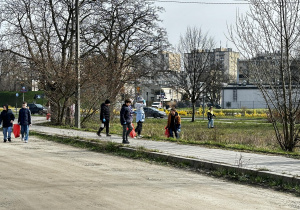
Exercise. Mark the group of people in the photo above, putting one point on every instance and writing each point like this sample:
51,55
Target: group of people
24,120
126,119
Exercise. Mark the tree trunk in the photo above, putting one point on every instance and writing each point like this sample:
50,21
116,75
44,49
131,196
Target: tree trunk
193,114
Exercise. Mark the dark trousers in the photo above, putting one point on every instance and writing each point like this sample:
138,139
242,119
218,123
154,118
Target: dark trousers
106,124
171,130
126,132
139,127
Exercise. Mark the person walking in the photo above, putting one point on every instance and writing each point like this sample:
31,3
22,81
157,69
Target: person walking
126,120
25,121
7,118
174,123
140,115
210,116
104,117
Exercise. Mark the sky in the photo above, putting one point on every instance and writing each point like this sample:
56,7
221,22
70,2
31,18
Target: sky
211,18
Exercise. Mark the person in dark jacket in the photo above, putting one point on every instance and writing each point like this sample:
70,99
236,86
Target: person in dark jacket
210,117
174,123
126,120
7,118
25,121
104,117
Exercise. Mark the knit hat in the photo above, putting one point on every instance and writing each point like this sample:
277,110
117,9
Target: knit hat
107,101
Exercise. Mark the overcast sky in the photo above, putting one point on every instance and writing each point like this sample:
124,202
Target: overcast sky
211,18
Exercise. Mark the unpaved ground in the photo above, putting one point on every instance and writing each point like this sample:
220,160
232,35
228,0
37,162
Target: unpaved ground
46,175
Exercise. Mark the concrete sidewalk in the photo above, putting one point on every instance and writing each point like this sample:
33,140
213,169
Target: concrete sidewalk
270,164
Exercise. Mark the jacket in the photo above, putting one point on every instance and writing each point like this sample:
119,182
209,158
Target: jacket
5,118
140,113
177,120
125,115
104,112
24,117
210,115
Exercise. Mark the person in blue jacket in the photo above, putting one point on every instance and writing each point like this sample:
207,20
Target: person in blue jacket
140,115
7,118
25,121
126,120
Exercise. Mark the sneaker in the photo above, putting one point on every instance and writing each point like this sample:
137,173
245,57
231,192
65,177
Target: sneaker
26,141
22,139
108,134
9,139
125,142
98,134
4,140
139,136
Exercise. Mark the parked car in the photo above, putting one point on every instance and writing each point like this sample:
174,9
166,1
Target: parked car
37,109
157,105
152,112
216,106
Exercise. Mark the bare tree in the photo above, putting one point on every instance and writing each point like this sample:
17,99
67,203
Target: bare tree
268,36
195,49
42,32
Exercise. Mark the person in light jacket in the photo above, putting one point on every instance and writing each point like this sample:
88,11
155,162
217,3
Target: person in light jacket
140,115
7,118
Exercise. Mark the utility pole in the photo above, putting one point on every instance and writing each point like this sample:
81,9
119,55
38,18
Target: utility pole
77,66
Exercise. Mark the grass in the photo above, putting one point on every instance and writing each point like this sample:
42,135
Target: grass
243,135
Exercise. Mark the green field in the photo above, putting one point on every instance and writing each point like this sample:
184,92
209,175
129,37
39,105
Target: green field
239,134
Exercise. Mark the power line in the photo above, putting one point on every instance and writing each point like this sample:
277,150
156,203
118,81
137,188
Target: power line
202,2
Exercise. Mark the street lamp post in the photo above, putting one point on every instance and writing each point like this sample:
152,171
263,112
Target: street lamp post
77,66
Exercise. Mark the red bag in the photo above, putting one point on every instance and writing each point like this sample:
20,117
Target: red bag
16,130
132,134
167,132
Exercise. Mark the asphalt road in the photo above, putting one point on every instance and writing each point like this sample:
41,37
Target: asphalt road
47,175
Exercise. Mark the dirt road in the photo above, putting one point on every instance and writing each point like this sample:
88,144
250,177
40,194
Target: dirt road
46,175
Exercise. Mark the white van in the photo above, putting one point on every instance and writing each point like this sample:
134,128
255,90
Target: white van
156,105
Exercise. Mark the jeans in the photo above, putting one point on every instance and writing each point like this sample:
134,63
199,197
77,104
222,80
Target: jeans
210,123
171,130
126,132
7,132
25,131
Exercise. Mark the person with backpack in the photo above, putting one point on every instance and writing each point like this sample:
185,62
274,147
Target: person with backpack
210,116
7,118
104,117
25,121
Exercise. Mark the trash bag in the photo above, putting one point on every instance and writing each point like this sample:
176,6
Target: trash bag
167,132
132,134
16,130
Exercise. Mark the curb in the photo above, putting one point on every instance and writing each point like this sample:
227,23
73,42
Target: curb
203,164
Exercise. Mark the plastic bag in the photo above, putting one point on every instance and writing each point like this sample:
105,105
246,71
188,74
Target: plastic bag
132,134
16,130
167,132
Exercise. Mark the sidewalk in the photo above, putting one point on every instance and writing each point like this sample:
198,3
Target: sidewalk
272,164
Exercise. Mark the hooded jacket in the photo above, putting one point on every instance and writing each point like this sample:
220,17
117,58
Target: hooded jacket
140,113
6,116
104,113
125,115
